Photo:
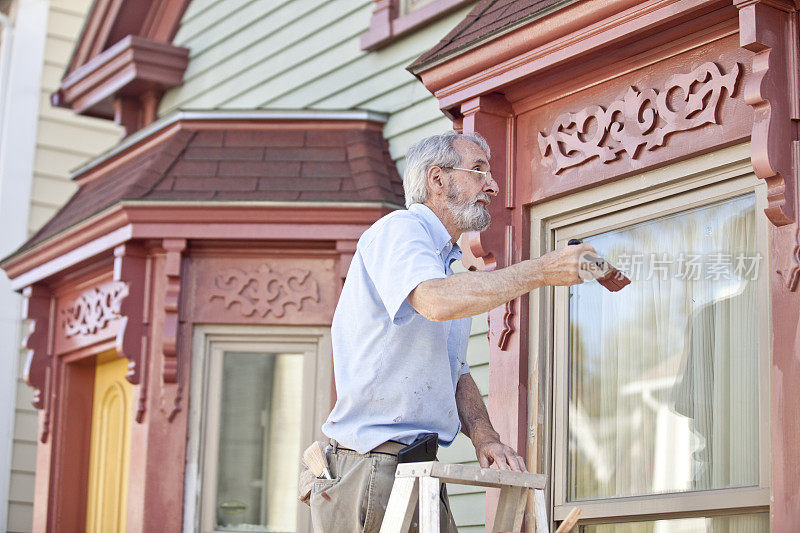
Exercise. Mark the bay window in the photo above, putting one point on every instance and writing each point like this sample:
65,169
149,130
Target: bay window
660,392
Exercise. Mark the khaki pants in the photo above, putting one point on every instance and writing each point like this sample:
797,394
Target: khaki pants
356,498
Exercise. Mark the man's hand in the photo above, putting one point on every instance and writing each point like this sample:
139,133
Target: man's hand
496,454
566,266
476,425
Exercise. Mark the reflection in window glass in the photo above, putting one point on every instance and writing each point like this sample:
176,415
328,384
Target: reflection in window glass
259,442
664,374
754,523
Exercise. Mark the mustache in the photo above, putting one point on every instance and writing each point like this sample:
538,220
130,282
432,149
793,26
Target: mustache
485,197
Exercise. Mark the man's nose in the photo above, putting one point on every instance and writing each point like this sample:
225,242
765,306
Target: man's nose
491,188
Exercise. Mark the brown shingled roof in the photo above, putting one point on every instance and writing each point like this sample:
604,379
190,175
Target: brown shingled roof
487,19
324,165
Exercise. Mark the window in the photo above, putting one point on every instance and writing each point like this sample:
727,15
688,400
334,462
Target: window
660,392
264,394
393,19
409,6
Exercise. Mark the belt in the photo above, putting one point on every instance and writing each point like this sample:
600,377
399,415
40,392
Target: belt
389,447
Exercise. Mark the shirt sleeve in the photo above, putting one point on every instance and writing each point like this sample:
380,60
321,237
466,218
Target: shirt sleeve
399,257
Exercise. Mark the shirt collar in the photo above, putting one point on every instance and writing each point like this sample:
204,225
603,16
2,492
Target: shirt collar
441,238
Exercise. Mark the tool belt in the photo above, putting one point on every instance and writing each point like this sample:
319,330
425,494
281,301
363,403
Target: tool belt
387,448
423,448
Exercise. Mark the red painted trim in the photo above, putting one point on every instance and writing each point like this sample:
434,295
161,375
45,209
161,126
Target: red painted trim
111,20
581,29
134,67
237,221
126,84
386,27
71,446
770,30
773,93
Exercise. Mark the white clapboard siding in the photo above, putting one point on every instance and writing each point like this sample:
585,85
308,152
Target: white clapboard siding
64,141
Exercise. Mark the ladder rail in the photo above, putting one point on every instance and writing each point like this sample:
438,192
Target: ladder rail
421,480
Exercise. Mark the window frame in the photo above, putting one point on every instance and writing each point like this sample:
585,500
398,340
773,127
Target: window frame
678,187
388,26
210,343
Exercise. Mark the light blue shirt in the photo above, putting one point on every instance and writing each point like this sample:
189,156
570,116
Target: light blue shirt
396,371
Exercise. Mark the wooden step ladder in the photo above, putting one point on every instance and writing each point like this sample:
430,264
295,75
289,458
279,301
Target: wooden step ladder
421,481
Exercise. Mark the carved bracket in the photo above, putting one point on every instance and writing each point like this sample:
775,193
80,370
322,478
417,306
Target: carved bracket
93,310
130,268
770,30
509,312
37,374
787,256
264,291
646,118
172,392
772,92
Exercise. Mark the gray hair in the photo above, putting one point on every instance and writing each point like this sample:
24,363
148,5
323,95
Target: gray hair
433,151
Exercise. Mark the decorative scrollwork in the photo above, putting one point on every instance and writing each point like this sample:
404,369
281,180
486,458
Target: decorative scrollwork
788,257
686,102
265,291
93,309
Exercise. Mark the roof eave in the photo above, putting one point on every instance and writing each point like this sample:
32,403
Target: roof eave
135,219
416,68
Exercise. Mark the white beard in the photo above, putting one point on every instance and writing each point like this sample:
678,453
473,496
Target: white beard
469,215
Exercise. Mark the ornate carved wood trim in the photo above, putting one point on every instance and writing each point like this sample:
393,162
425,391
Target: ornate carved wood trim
93,310
130,269
264,290
510,310
38,308
172,389
641,118
493,117
770,30
772,91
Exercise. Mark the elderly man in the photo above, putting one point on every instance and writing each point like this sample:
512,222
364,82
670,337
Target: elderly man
401,328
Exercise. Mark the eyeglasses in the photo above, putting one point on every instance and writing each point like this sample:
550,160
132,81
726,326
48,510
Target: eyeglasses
487,174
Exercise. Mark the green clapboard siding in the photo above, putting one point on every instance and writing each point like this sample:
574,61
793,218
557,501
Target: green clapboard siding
305,54
468,502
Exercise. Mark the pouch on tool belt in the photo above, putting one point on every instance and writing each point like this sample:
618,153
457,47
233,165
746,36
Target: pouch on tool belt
423,448
315,458
305,485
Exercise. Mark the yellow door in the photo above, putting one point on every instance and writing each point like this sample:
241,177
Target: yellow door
110,447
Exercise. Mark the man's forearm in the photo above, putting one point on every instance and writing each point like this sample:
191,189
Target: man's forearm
472,293
472,412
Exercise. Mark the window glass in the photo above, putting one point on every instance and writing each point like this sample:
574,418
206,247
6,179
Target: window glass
259,441
409,6
664,374
750,523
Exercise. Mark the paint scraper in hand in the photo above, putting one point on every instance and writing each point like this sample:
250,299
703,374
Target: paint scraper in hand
604,272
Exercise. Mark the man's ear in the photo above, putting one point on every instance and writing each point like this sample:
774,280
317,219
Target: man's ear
436,181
